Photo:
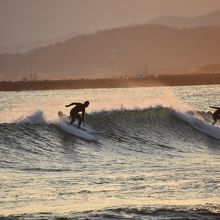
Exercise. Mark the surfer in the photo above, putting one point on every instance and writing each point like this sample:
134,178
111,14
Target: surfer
74,113
216,114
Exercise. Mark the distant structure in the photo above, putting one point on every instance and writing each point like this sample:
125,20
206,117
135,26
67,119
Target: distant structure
32,76
140,73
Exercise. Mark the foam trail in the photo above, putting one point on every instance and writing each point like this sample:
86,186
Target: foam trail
38,117
72,129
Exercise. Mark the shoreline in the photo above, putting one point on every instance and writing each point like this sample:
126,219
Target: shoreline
150,81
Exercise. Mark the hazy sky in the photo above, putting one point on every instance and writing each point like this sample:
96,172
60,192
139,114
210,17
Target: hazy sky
31,20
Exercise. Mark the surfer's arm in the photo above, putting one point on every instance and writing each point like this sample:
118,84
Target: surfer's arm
74,103
214,107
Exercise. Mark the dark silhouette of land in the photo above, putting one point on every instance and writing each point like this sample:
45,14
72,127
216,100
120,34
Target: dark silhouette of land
164,50
162,80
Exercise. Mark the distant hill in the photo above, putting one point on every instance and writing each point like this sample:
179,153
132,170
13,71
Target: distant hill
211,19
116,51
21,48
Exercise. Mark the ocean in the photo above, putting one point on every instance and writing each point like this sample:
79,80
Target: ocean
150,153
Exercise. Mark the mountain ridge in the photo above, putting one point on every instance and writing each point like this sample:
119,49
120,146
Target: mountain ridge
211,19
117,51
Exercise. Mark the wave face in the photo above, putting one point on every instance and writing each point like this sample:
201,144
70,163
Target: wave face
138,129
158,124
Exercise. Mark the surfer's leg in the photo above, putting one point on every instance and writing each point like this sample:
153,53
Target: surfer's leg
79,123
79,119
72,120
72,116
215,120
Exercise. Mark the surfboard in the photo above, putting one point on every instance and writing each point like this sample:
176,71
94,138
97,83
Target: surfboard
83,132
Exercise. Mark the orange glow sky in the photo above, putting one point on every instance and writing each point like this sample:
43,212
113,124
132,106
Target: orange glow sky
23,21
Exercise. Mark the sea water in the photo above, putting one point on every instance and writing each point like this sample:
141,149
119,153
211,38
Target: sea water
153,154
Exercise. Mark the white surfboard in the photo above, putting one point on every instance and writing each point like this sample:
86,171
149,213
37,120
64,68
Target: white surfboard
83,132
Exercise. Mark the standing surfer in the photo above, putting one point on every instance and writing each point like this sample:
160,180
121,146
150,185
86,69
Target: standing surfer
74,113
216,114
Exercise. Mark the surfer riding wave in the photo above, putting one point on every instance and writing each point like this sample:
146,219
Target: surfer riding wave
74,113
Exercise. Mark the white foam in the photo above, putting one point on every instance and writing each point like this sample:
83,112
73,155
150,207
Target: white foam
199,124
36,117
72,129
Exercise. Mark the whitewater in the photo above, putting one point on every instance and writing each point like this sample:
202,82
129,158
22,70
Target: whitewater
148,153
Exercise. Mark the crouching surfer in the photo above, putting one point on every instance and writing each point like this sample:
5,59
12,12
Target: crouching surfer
74,113
216,114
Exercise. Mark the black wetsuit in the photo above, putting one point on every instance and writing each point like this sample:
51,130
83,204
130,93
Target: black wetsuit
74,113
216,114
